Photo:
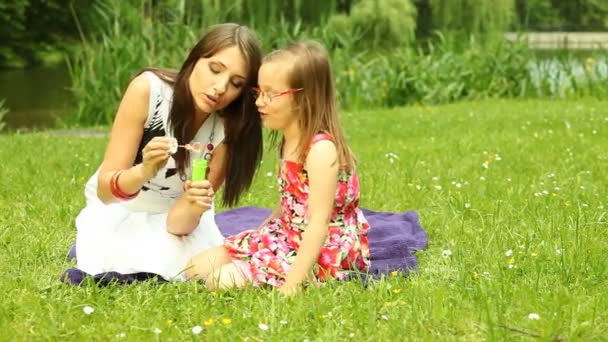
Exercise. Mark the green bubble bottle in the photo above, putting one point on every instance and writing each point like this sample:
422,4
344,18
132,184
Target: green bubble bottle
199,169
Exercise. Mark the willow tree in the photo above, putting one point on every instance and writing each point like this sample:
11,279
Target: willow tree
472,17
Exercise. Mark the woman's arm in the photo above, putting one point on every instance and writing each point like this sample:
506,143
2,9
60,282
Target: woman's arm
322,166
125,138
185,214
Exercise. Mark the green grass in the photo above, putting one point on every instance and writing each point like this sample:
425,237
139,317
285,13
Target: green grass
544,190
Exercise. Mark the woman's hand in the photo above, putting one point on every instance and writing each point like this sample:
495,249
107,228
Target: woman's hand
199,193
155,156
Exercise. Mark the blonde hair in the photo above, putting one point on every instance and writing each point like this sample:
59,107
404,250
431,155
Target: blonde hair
316,103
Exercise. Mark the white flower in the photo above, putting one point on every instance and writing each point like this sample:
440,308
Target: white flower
482,178
485,165
88,310
557,188
512,266
498,157
121,335
467,205
283,321
559,251
509,253
351,335
534,316
418,187
269,174
436,178
157,331
263,326
197,330
438,187
384,317
508,179
446,253
458,185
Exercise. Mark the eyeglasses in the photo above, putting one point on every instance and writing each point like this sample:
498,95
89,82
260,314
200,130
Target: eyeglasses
267,97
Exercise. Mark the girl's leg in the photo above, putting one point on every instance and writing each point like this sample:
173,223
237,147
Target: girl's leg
204,264
228,276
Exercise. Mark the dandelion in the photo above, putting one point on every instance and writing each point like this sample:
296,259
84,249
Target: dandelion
590,60
263,327
197,330
475,276
226,321
88,310
395,273
446,253
169,321
209,322
534,316
509,253
512,263
397,291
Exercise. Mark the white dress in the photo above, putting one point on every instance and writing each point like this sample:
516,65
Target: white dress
131,236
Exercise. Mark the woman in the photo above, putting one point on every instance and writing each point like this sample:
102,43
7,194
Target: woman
142,213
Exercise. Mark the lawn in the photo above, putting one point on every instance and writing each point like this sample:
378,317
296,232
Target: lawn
513,195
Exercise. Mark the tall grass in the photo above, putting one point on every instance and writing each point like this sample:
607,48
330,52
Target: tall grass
446,69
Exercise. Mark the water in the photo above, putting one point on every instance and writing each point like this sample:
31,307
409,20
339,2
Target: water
36,97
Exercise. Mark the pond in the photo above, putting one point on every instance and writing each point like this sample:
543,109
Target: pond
36,97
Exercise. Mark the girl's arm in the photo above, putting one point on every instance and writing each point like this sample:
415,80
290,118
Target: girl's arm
322,165
121,151
185,214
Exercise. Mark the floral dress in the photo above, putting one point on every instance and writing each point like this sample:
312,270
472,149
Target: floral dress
265,255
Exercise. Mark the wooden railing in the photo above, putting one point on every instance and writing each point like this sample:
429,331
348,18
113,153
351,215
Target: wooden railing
562,40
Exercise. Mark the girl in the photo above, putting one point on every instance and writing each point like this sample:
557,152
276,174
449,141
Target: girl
142,216
318,231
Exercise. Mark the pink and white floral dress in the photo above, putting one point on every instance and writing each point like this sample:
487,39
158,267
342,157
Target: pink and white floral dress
266,254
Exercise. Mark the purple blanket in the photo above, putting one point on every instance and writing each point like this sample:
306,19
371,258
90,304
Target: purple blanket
393,239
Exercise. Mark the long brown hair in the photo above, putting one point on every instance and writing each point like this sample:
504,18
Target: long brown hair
242,124
316,103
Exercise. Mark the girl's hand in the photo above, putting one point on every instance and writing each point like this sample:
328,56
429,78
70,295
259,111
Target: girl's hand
155,156
199,193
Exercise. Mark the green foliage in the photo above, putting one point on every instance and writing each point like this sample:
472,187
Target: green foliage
378,23
572,15
30,28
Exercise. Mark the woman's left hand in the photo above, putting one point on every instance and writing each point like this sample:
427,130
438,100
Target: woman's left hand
199,193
